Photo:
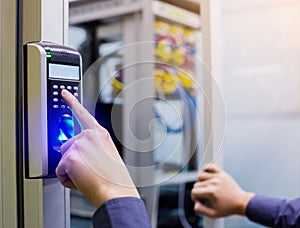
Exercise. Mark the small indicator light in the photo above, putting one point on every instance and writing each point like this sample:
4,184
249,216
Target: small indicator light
48,54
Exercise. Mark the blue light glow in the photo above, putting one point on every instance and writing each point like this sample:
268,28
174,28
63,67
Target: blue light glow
63,131
62,137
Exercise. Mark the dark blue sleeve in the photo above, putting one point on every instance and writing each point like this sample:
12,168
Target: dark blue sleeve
274,212
121,213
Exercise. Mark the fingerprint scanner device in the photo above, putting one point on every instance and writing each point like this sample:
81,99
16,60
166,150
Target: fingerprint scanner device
49,122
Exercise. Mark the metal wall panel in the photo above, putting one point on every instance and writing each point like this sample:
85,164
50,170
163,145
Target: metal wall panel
8,211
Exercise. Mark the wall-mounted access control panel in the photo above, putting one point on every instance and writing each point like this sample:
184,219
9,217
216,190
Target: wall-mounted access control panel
48,69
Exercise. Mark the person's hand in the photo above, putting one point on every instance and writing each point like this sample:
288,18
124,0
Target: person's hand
216,194
90,161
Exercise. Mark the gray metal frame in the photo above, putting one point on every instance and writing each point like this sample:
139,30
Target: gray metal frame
211,15
133,33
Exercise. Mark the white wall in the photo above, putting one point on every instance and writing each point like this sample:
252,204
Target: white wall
261,82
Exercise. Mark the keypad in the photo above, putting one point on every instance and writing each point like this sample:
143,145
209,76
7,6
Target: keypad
55,97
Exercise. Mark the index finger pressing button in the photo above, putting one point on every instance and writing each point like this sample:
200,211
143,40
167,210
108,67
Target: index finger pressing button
83,116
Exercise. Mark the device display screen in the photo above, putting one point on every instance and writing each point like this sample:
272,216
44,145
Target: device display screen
62,71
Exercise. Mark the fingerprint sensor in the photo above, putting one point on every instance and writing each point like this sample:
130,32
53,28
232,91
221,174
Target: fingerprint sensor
66,128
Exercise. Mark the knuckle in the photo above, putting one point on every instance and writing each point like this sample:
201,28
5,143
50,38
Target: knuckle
200,175
103,133
89,133
194,191
80,112
70,161
212,191
195,185
215,181
95,124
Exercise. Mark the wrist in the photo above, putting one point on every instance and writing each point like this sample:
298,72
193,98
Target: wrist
244,201
113,193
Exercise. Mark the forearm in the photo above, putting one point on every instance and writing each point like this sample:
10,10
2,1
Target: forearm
274,212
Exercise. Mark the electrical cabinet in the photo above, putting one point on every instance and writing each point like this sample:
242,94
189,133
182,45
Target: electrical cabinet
142,80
